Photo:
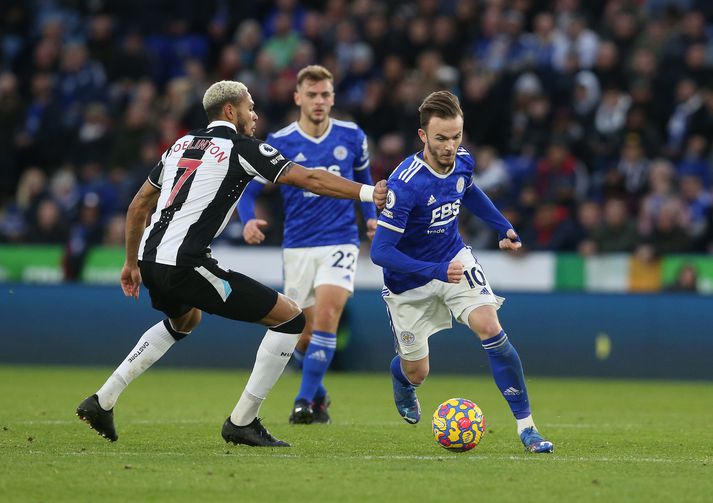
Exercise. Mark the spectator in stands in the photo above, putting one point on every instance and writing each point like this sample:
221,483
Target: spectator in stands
668,235
697,203
85,233
579,39
662,189
688,101
593,75
589,221
618,232
686,280
490,174
551,229
48,226
633,166
560,176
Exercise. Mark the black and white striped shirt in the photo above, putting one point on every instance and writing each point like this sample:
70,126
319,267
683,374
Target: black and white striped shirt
201,178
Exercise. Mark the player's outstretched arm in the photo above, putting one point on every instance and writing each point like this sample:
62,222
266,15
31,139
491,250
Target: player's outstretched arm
324,183
480,205
139,210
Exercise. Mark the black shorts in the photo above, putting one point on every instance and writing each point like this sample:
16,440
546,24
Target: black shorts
176,289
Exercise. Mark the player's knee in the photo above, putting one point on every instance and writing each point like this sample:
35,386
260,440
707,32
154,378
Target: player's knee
180,327
291,305
416,376
488,329
484,324
177,331
294,326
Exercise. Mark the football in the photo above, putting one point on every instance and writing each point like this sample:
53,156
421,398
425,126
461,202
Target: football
458,425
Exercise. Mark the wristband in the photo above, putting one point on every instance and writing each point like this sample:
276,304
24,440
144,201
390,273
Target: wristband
366,193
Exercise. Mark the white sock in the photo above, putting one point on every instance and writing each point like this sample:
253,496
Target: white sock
152,346
524,423
272,356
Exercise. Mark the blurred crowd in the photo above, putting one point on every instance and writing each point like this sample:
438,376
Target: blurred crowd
591,121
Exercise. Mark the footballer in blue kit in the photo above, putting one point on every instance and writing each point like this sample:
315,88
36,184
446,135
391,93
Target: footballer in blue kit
321,239
431,276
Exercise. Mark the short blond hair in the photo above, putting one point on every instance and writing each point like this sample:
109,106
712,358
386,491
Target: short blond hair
221,93
316,73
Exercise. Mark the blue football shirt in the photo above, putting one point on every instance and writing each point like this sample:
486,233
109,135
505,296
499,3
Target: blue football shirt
423,206
310,219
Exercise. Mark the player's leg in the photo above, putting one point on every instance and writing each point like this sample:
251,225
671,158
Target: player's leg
414,315
406,376
328,308
97,409
286,323
299,353
508,374
320,278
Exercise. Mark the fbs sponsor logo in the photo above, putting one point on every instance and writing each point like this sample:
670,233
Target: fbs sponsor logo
138,351
445,213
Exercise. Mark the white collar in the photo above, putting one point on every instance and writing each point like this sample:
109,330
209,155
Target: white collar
318,139
223,123
433,171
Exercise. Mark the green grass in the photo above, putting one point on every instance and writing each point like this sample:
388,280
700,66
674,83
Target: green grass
615,441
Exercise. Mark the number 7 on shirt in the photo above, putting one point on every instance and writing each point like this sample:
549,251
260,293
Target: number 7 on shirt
189,166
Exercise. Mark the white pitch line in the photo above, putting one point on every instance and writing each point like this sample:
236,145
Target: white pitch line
473,457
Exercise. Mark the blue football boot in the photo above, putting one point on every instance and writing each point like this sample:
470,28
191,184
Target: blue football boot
406,401
534,442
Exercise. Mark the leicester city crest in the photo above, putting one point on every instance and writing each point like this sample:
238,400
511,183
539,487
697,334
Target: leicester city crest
340,152
407,338
460,184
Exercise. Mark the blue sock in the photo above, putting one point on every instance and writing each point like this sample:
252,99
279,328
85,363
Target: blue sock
316,361
321,391
398,372
299,357
507,372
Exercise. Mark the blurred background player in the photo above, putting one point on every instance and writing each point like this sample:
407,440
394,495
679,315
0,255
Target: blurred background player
321,239
430,275
194,190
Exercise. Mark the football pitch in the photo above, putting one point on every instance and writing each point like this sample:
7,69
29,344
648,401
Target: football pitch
614,441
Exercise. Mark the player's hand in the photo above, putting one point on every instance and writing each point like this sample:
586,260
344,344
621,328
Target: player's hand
371,228
455,271
131,280
379,196
252,233
509,242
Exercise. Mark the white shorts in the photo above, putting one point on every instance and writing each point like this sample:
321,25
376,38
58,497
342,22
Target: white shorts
307,268
417,314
